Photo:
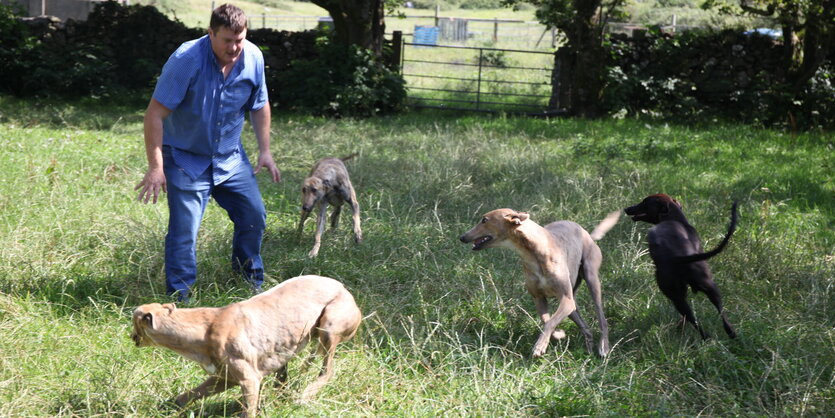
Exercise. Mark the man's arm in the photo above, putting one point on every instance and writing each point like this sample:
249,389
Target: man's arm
154,179
261,123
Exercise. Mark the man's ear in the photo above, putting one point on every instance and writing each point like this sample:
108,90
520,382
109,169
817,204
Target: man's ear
516,218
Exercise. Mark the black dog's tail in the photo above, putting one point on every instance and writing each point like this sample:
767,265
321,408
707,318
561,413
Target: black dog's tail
348,157
692,258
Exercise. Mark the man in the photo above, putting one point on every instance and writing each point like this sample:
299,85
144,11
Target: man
193,127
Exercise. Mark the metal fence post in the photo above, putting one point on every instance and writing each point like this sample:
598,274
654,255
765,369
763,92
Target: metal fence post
478,86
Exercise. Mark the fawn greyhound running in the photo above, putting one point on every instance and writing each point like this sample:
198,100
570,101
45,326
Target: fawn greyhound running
552,258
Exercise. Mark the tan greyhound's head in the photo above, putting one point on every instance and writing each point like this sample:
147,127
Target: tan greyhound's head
655,209
147,317
494,229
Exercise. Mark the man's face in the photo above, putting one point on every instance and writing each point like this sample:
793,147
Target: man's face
226,44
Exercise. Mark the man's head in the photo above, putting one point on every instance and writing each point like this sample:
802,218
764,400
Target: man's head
227,31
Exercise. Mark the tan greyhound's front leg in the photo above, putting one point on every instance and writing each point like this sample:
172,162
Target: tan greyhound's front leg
210,386
541,303
566,307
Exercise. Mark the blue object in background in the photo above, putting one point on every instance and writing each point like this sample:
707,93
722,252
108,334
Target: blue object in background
426,35
771,33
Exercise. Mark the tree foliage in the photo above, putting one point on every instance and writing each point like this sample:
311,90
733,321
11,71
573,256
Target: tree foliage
580,63
808,32
357,22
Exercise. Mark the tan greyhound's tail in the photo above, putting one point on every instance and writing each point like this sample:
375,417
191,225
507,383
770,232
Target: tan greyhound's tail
605,225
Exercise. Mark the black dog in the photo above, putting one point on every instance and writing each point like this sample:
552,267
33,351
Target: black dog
677,252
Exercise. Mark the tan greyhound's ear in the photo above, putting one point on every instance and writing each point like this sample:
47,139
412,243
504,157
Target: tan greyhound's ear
170,306
148,320
517,218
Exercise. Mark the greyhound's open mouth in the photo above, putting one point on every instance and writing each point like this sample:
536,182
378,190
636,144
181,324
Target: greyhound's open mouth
481,241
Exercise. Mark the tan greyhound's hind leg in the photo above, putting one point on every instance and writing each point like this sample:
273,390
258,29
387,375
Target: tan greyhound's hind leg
592,259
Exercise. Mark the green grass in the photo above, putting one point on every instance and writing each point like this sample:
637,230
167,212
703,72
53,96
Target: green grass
448,331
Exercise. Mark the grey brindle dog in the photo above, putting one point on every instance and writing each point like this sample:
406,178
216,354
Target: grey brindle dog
328,182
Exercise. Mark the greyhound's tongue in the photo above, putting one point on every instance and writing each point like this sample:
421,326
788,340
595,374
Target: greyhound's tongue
478,242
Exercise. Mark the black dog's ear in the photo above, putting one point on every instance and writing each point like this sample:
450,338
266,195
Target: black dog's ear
669,205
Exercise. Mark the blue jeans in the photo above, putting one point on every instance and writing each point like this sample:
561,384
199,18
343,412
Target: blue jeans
187,199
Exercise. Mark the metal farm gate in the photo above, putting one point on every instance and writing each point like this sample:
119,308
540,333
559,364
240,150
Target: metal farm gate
477,79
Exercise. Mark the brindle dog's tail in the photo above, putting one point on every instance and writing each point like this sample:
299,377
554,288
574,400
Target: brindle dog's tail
692,258
348,157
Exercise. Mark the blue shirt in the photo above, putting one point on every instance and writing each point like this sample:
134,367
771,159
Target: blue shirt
204,127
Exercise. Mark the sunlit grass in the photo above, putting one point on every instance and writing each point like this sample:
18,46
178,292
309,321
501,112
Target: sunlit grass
448,331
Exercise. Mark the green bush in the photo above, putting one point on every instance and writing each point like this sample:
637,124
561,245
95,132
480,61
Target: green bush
725,74
341,82
17,46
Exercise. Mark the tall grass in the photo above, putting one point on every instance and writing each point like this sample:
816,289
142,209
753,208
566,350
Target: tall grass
448,331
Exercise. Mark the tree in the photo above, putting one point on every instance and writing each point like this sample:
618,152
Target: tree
808,34
580,65
357,22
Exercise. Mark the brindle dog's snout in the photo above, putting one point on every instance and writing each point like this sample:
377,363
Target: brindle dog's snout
463,238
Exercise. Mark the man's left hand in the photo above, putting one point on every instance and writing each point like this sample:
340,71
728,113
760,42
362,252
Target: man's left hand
266,160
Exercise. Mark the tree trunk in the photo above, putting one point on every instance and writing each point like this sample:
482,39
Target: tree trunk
583,61
817,39
357,22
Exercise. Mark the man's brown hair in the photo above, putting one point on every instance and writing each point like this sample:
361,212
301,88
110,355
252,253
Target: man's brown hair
229,16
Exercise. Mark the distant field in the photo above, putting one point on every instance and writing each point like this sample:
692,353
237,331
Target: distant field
292,15
448,331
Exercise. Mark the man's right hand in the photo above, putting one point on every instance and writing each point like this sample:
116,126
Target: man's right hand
151,184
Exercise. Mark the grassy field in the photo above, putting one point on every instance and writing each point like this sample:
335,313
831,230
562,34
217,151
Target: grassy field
448,331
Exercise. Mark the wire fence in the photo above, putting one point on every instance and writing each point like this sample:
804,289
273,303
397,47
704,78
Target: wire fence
477,78
455,30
